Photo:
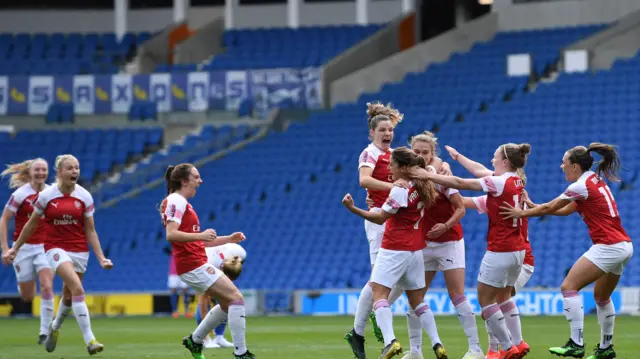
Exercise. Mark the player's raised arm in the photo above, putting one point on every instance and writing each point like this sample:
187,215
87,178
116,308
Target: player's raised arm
477,169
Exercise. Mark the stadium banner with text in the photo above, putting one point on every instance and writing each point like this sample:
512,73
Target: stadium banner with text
529,302
193,91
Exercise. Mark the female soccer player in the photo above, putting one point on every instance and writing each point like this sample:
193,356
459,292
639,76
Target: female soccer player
28,178
229,258
399,259
502,263
183,231
589,195
505,302
445,251
68,211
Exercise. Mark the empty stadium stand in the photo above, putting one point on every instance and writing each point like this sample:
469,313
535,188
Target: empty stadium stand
282,47
66,54
284,192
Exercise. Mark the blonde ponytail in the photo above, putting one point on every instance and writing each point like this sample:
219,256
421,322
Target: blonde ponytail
19,172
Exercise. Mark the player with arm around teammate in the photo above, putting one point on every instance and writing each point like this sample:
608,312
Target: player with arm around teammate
188,243
589,195
503,260
399,260
28,179
504,298
229,258
68,211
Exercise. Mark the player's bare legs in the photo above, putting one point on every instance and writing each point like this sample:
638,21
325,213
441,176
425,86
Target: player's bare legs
72,298
494,319
27,291
421,317
583,273
384,318
230,307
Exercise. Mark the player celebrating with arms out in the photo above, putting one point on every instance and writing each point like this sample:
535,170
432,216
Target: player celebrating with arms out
589,195
68,211
28,178
505,302
399,260
183,231
503,260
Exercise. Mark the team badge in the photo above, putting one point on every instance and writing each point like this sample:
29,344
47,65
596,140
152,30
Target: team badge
78,204
56,257
211,270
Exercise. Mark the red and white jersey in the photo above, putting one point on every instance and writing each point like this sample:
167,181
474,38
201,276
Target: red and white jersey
504,235
378,160
481,204
188,255
598,209
404,230
21,204
217,255
64,215
441,212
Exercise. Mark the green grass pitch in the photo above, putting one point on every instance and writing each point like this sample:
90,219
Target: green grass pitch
286,338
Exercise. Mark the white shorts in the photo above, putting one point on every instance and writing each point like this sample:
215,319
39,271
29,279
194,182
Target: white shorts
611,258
399,267
443,256
29,261
501,269
201,278
525,274
374,232
174,282
57,256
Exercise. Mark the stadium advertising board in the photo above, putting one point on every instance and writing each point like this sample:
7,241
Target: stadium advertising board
193,91
530,302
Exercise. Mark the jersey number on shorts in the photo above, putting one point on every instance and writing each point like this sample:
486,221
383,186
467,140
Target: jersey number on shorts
516,202
421,208
609,198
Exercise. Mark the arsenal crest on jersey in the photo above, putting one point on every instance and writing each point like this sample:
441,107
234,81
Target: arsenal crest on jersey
78,204
56,257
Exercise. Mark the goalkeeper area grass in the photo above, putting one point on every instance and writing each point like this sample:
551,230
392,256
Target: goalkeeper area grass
278,337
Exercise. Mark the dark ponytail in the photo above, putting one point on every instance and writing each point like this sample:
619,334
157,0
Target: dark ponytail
175,175
404,157
609,165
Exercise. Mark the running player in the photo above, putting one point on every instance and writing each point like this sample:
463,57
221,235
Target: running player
68,211
177,287
502,263
229,259
504,297
399,260
590,196
28,179
183,231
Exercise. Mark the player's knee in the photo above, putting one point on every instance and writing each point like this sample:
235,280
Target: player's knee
601,297
566,285
236,296
27,296
46,290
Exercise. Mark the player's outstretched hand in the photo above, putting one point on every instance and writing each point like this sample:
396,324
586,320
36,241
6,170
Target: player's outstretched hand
347,201
508,211
237,237
402,183
209,235
9,256
452,152
106,263
437,230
